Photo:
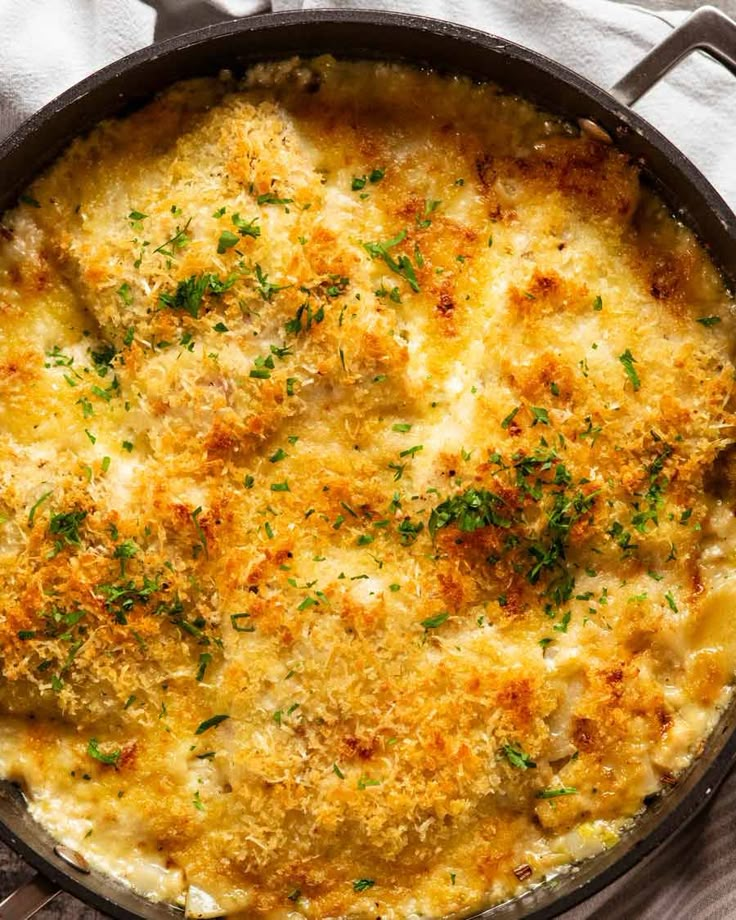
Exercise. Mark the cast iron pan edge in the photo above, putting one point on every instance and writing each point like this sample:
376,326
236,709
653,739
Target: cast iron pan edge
451,48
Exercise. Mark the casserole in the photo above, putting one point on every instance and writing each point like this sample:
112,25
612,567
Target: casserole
425,36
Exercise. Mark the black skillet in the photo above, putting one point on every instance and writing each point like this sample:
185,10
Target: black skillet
455,49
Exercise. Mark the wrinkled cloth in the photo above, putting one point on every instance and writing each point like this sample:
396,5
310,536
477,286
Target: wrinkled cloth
47,45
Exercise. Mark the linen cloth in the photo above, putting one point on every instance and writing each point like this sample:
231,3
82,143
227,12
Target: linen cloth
47,45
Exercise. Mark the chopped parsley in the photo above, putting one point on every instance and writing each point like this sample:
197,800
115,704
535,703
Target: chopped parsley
190,292
517,758
509,418
65,527
204,660
120,598
227,240
359,182
178,241
304,318
628,361
363,884
200,533
591,431
469,511
235,619
246,227
270,198
402,266
109,760
102,394
125,551
436,621
555,793
542,480
540,416
708,320
264,287
103,357
430,206
125,294
36,505
365,782
212,722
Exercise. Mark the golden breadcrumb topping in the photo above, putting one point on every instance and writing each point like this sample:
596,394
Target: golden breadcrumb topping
366,494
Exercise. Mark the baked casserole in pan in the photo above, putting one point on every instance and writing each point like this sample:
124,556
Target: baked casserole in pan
366,494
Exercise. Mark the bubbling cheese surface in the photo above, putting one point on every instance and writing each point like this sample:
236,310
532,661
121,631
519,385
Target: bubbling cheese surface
365,494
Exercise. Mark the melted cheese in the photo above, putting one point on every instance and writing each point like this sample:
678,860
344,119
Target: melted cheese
365,495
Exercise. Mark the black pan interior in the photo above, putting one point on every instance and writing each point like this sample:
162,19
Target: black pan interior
130,82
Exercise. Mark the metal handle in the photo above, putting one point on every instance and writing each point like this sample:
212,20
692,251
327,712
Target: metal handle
27,900
708,29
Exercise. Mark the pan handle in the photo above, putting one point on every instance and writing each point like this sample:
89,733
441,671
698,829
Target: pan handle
708,29
27,900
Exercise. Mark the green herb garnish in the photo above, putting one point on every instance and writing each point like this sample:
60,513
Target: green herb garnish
363,884
110,760
36,506
402,266
436,621
246,227
227,241
270,198
65,526
264,287
517,758
212,722
628,361
554,793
